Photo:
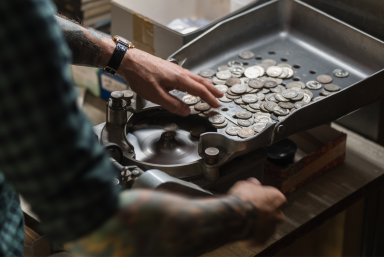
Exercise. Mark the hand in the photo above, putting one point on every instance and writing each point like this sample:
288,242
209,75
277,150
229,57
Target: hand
152,78
268,201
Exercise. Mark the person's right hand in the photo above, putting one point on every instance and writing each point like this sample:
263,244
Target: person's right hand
268,201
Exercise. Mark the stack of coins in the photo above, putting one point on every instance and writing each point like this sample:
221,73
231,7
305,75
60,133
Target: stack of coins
260,91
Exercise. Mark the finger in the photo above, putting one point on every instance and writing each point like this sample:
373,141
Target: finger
208,84
254,181
197,89
173,104
280,217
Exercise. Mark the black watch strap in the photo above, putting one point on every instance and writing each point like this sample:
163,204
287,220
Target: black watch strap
117,57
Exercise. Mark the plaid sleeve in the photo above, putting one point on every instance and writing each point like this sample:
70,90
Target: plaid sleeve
47,149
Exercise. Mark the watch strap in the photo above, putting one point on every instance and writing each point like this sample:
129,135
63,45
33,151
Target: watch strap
117,57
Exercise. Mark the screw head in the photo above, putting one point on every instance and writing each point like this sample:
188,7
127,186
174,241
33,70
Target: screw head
281,129
117,95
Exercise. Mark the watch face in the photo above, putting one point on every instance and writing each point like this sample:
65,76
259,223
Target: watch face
121,39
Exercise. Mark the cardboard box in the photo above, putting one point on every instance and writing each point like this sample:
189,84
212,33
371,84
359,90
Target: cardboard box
319,150
145,22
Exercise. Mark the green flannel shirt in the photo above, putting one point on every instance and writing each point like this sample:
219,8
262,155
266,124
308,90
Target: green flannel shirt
48,152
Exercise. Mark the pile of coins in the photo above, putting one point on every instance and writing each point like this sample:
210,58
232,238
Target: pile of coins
259,89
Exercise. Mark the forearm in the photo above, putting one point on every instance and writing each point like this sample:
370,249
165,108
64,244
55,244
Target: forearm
154,223
89,48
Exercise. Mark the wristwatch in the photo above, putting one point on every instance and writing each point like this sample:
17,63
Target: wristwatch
122,45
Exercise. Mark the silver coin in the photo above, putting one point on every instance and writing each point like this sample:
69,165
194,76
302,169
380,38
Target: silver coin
249,108
279,97
237,69
245,123
284,74
218,118
223,68
332,87
203,115
258,127
263,119
222,88
290,73
252,72
309,93
212,112
277,80
246,132
261,70
263,65
206,73
271,98
193,110
318,98
269,62
324,79
244,106
314,85
236,74
239,101
340,73
235,63
249,98
243,115
249,89
299,104
280,111
224,75
274,71
233,81
306,98
232,130
224,99
262,108
254,83
229,96
255,106
295,89
298,84
276,89
300,96
262,114
286,105
230,92
239,89
270,84
269,106
325,92
246,55
284,65
254,90
191,99
218,81
261,96
202,106
220,125
265,91
289,94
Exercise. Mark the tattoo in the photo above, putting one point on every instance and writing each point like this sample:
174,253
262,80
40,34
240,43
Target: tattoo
85,50
155,224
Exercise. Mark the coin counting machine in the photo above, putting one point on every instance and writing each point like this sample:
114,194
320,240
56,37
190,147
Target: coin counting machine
142,136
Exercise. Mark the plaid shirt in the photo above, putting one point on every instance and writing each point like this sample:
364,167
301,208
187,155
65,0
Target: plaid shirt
48,153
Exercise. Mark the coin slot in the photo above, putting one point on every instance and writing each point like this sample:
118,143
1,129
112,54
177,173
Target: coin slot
258,57
245,63
271,52
296,79
296,66
224,109
234,116
312,72
284,59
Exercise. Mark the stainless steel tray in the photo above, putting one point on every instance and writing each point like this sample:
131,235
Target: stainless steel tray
309,39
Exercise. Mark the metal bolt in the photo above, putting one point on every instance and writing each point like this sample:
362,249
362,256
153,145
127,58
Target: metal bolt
117,98
212,155
281,129
135,173
128,95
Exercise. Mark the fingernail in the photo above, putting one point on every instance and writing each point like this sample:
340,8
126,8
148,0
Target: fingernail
185,111
254,181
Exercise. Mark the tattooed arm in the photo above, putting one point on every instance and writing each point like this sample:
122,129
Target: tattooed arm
154,224
149,76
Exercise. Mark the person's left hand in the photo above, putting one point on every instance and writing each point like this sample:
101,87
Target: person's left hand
152,78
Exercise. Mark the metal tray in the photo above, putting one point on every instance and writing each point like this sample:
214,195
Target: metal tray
307,38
